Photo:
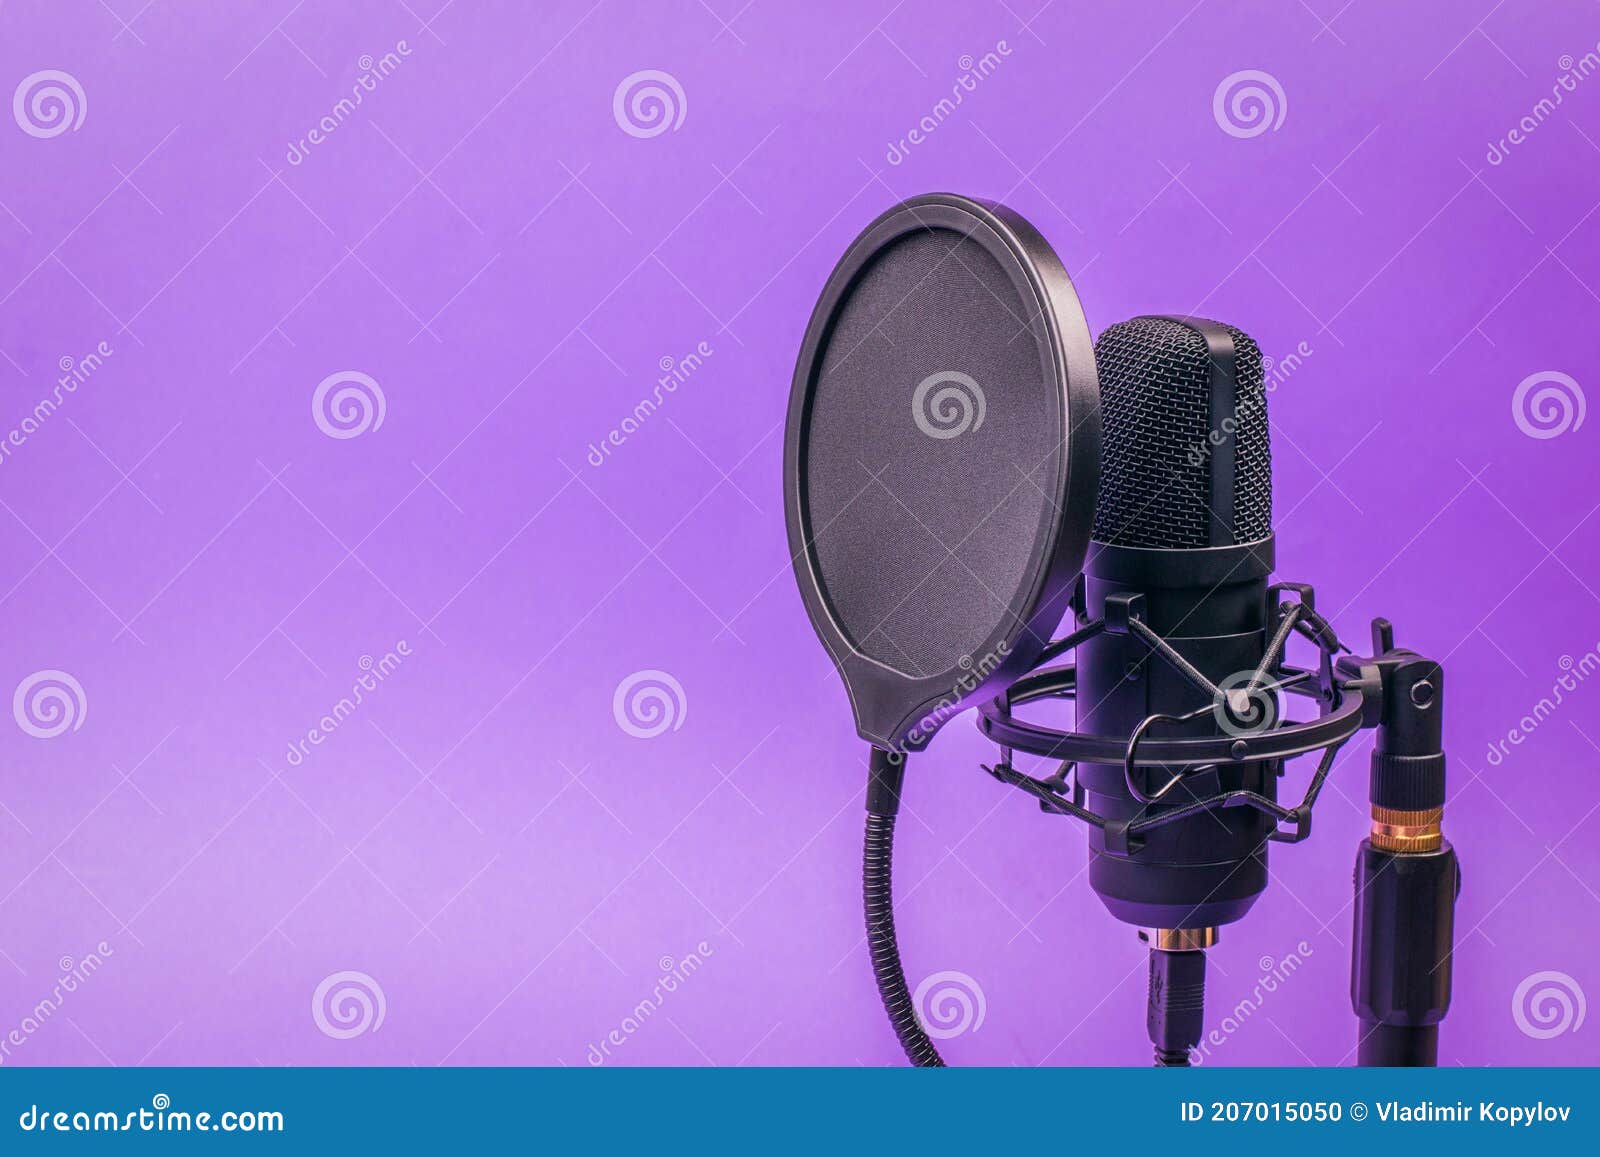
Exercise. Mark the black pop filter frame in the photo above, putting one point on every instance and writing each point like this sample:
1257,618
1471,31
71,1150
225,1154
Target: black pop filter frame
894,709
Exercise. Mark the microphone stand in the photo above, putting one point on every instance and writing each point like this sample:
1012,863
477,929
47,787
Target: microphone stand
1407,876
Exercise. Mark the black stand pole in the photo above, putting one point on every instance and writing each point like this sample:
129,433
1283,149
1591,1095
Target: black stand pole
1407,875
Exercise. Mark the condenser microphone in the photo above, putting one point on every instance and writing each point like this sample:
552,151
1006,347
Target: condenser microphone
1182,549
1183,542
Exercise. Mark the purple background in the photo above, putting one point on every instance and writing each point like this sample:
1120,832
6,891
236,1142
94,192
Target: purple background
481,237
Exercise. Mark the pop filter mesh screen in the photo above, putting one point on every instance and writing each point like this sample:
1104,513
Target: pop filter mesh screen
933,453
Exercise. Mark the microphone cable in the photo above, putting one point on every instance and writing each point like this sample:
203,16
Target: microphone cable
1176,1010
886,774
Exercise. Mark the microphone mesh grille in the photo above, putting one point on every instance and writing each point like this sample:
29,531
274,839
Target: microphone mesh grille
1155,409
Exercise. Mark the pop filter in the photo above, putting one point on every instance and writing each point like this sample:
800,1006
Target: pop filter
941,460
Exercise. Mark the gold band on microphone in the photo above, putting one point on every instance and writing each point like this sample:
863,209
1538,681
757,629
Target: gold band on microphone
1182,939
1407,831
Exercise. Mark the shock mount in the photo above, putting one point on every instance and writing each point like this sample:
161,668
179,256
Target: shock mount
1407,875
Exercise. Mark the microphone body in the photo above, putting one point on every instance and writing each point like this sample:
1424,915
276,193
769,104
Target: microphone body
1206,870
1183,540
